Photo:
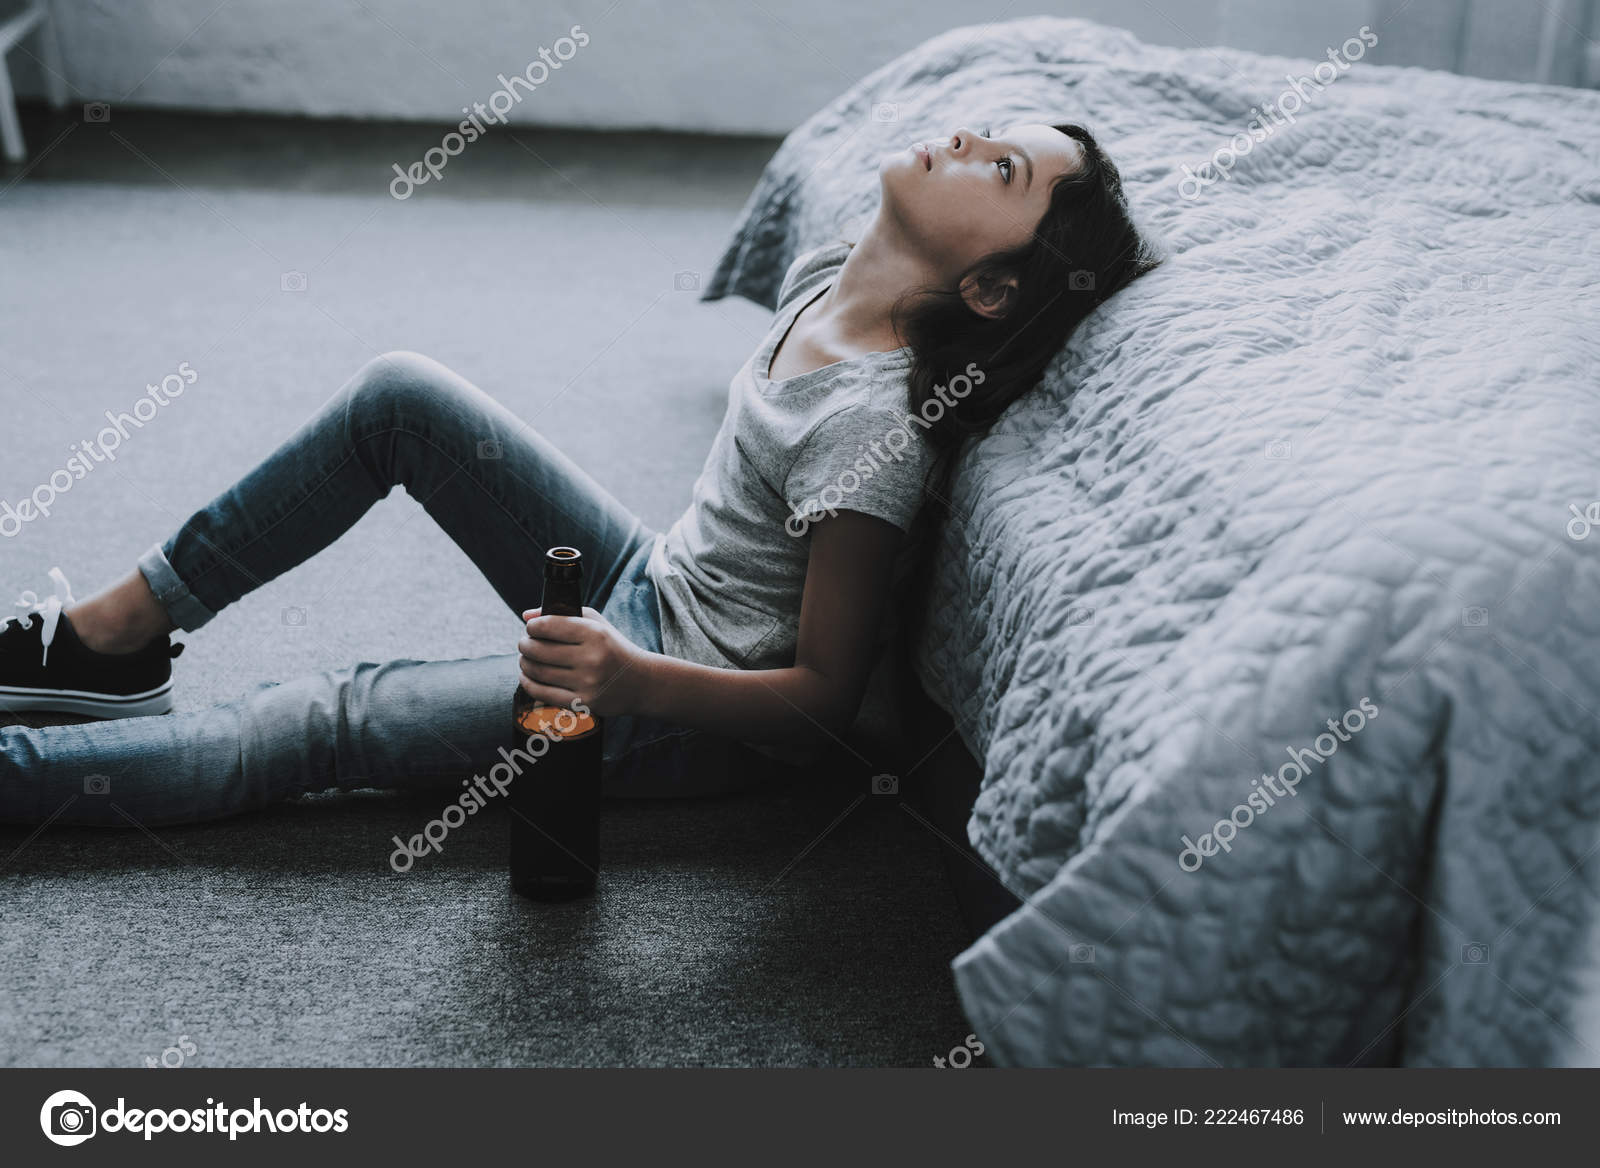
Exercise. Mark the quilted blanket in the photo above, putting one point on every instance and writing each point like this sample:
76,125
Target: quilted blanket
1275,625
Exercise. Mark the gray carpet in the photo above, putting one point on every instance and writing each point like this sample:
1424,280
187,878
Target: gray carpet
749,930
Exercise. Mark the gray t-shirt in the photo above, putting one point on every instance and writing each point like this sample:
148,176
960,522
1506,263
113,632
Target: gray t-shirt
731,570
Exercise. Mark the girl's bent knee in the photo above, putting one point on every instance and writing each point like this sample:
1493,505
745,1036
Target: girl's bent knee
400,383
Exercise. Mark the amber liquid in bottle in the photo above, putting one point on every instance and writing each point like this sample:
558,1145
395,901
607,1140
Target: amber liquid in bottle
555,800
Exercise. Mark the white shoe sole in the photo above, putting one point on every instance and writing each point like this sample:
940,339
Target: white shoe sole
95,705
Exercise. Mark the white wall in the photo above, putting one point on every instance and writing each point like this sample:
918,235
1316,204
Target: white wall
732,66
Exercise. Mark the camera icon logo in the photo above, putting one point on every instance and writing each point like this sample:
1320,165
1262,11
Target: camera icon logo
885,111
292,282
885,785
1474,953
1473,282
686,281
1081,954
1475,617
295,617
1278,451
96,111
97,784
1080,281
68,1118
490,450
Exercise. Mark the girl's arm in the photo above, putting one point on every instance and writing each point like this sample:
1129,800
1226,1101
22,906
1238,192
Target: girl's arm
847,583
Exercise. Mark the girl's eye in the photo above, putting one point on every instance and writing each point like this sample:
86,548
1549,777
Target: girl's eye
1007,167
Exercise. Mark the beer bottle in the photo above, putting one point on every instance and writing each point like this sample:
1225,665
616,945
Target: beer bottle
555,800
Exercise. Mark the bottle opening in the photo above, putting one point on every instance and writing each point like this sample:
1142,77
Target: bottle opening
564,553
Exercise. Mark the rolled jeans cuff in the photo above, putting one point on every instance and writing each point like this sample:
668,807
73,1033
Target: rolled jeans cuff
183,608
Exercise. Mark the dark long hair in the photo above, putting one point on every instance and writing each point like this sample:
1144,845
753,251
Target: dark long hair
1085,249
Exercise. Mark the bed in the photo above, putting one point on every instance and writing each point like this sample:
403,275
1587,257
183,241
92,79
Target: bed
1336,454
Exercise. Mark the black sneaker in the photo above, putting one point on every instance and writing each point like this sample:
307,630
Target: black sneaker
44,666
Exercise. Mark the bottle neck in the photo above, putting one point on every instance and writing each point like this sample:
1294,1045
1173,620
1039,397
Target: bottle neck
562,598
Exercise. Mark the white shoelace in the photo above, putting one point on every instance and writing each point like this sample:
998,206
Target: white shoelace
50,609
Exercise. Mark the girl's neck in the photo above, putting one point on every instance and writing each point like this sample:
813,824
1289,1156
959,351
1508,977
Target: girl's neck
878,271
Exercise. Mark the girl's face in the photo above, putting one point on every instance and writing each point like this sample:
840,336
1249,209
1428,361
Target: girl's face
958,199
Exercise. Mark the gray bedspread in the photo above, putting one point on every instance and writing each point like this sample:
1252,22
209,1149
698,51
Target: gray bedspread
1318,496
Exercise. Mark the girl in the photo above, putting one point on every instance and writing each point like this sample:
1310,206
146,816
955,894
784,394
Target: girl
753,620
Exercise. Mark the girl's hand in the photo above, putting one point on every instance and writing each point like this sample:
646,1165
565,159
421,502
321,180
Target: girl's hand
569,658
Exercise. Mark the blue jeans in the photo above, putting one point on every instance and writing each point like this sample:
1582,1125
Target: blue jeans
502,493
